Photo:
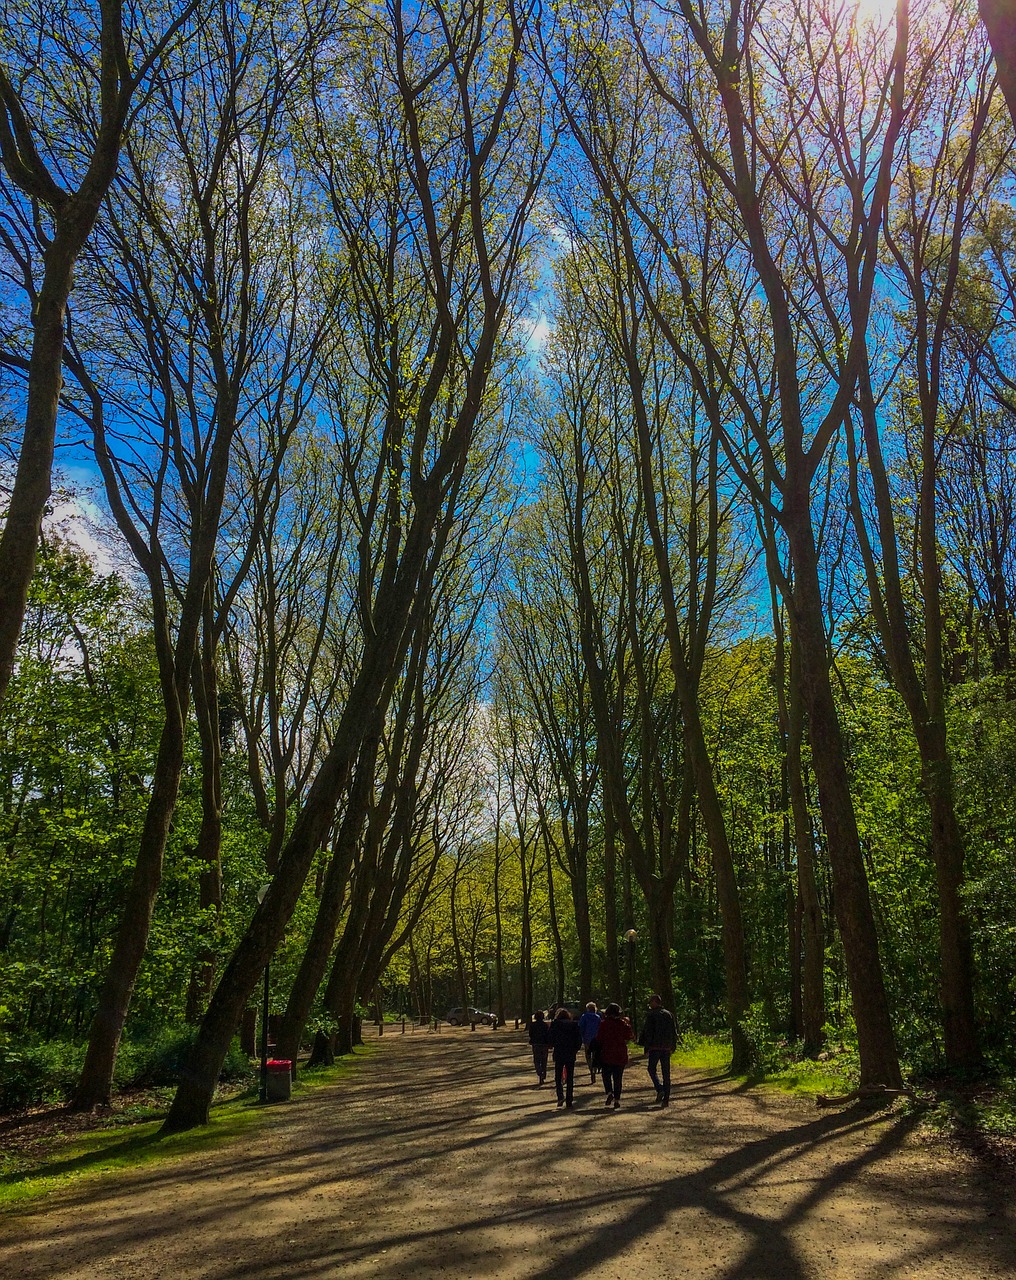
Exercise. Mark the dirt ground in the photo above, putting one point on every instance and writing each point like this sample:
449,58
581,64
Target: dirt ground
440,1156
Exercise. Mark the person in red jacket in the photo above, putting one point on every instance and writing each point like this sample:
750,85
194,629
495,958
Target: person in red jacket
612,1044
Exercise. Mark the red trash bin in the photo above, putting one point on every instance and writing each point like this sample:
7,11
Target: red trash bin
280,1079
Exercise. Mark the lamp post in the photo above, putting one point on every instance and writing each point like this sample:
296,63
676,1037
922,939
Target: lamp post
631,938
263,1091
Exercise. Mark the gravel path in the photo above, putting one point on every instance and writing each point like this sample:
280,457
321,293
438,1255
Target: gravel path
440,1156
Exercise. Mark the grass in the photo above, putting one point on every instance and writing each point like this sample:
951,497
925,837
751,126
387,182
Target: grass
702,1053
133,1141
711,1053
980,1113
986,1107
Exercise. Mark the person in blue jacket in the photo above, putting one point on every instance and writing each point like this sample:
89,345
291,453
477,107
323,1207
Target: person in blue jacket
566,1041
589,1024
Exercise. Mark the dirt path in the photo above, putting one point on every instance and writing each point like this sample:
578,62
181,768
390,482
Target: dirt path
440,1157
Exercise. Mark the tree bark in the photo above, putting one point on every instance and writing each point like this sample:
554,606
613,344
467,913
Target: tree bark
315,957
1000,23
96,1080
876,1042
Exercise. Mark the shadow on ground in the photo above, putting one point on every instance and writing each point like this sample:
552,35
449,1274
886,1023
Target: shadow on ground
440,1155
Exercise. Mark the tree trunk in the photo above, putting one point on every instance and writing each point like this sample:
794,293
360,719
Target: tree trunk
613,974
319,948
256,947
876,1042
555,930
960,1036
19,543
209,846
583,928
997,16
94,1086
498,926
812,927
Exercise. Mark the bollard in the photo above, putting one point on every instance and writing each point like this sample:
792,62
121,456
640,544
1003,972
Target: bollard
403,1026
472,1026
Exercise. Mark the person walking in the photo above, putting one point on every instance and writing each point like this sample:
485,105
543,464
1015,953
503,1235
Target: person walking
612,1041
589,1024
539,1042
566,1041
659,1039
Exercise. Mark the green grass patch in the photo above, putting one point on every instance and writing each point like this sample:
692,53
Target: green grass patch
702,1053
987,1108
812,1078
132,1140
712,1053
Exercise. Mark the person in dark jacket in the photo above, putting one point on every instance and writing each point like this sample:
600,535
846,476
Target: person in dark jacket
566,1041
539,1041
612,1044
659,1039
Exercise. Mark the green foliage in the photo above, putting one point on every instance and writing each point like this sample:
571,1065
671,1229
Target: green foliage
987,1110
702,1053
763,1053
41,1074
983,730
36,1075
78,729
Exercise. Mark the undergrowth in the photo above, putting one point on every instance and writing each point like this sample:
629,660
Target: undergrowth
33,1075
131,1138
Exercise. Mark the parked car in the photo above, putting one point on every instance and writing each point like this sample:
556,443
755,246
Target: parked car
458,1017
574,1007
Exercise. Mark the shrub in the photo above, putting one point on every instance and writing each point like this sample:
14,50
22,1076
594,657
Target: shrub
160,1059
33,1075
765,1054
45,1074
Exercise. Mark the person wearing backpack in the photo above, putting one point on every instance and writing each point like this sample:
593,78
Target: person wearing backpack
659,1039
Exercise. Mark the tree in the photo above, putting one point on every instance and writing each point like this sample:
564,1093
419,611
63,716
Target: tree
212,315
60,153
442,117
724,102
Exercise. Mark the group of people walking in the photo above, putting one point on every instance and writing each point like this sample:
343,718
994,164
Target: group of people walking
604,1039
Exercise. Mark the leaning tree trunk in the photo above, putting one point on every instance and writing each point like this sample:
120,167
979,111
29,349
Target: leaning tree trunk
319,948
812,928
96,1080
876,1042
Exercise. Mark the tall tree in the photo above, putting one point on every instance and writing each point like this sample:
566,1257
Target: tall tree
59,148
213,328
437,109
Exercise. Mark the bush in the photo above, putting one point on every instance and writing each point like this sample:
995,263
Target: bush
160,1058
44,1074
34,1075
765,1054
